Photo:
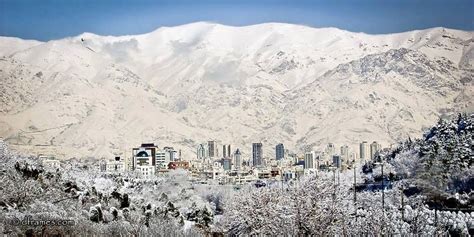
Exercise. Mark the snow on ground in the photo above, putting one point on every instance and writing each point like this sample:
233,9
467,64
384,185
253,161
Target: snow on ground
99,96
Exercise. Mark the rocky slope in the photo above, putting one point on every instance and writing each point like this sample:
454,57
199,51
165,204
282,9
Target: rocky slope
97,96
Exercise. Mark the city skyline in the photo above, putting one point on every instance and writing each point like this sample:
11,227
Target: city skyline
386,191
236,117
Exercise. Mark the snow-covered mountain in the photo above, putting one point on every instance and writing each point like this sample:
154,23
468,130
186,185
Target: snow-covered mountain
94,95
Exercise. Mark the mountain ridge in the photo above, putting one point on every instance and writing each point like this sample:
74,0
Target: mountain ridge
237,86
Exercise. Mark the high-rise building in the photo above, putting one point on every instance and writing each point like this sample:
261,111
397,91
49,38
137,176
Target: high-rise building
374,149
345,153
309,160
226,152
211,147
279,151
336,161
317,159
171,153
128,163
323,158
162,159
237,159
202,151
144,155
364,151
257,159
330,149
353,157
144,159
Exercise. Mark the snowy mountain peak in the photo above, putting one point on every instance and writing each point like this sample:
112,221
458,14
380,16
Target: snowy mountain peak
93,95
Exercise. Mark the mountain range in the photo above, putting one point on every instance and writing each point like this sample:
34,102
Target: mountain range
99,96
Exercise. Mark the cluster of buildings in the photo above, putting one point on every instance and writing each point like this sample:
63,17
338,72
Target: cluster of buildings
228,166
147,159
330,158
231,167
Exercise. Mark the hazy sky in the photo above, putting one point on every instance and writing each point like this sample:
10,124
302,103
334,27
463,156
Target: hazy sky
53,19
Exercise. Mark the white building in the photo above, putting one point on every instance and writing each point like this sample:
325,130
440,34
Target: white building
217,171
374,149
171,153
162,159
292,173
241,177
330,149
113,166
49,162
286,162
310,171
353,157
345,153
364,151
324,159
289,175
147,171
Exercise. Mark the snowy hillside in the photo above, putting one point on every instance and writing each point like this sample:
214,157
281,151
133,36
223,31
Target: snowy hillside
96,95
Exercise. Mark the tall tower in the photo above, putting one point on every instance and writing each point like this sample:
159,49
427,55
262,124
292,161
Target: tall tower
257,154
202,151
309,158
331,149
211,148
364,151
237,159
224,152
353,156
336,161
345,153
374,149
228,151
279,151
